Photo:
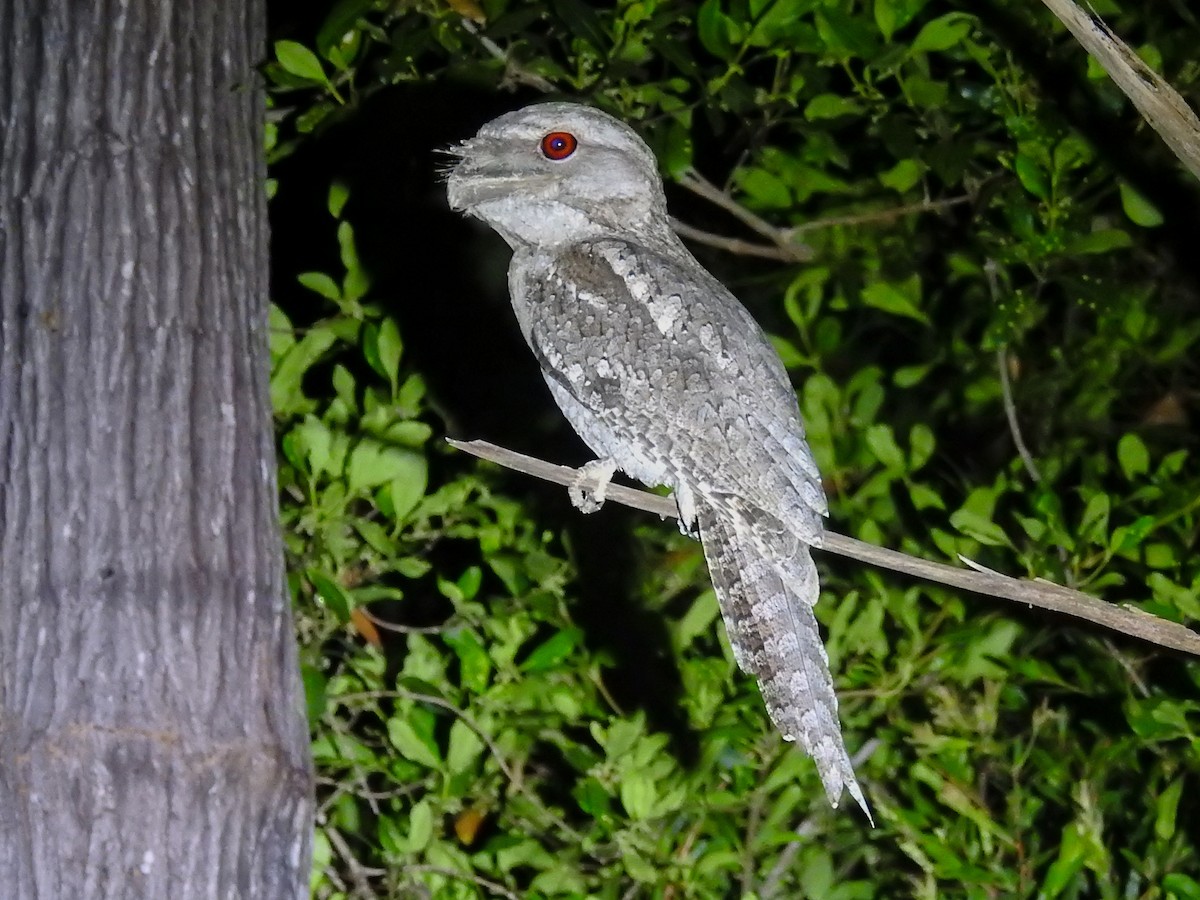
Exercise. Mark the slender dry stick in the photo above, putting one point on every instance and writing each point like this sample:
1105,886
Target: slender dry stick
785,242
872,216
1010,413
1158,102
702,187
1010,407
793,253
359,874
1043,594
513,72
493,886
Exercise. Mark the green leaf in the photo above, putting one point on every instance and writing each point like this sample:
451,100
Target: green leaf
464,748
300,61
1101,241
921,443
389,347
884,448
592,798
974,525
942,33
331,593
1094,525
412,745
638,795
713,29
830,106
320,283
844,34
407,489
314,693
696,621
1139,209
373,463
1181,887
901,177
356,282
420,827
885,17
286,394
339,193
473,661
1133,456
764,188
899,299
1166,809
1032,176
552,651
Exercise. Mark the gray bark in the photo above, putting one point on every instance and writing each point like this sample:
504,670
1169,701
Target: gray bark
152,735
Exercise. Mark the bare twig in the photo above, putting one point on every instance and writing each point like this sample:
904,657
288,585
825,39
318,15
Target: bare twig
1010,413
1043,594
1156,100
406,629
875,215
444,704
806,829
1010,408
493,886
792,253
785,242
359,874
514,778
513,71
702,187
753,819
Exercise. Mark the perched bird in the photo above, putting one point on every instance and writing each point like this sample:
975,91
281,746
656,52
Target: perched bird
667,377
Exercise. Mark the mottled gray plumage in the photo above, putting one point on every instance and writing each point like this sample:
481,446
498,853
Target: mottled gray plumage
667,377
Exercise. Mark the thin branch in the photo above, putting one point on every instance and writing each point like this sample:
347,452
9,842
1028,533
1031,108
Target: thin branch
875,215
702,187
359,874
514,779
793,253
806,829
1010,413
444,704
513,71
1043,594
1010,408
785,242
1158,102
406,629
492,886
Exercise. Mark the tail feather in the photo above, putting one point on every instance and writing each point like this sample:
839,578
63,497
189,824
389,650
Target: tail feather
767,604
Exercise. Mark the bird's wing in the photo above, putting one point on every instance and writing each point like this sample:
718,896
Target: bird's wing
672,365
659,367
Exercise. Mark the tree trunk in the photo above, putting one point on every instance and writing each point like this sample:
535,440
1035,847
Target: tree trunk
152,735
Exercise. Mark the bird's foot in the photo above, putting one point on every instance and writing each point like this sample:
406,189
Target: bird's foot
587,491
686,501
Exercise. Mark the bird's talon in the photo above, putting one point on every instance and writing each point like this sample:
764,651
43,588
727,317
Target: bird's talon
588,490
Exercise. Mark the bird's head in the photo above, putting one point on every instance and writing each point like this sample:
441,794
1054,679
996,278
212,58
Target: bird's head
555,173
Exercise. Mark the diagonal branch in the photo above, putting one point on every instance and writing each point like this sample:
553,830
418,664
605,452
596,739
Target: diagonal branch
1158,102
785,245
1043,594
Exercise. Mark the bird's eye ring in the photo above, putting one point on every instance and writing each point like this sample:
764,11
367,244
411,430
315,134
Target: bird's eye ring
558,145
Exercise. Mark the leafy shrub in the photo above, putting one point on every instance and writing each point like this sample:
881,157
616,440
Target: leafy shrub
967,225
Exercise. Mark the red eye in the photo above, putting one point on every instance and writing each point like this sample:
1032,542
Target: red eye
558,145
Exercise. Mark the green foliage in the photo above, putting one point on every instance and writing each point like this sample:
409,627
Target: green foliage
969,230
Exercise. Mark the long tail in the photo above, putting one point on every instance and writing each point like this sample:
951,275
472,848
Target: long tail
767,603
